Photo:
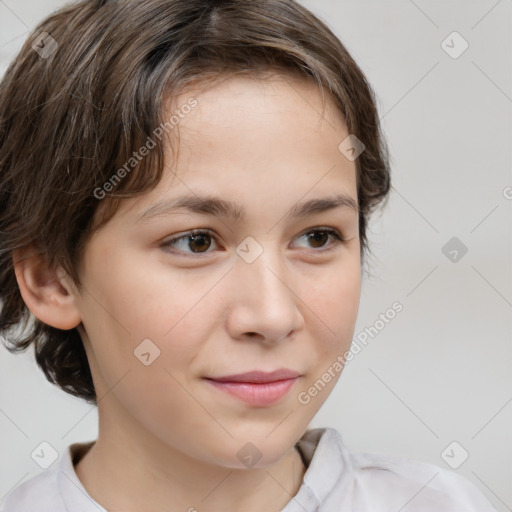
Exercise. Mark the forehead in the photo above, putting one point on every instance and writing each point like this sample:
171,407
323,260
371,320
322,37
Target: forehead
228,100
261,124
249,137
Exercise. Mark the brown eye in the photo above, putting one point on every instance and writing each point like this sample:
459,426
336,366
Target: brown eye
200,242
194,242
319,237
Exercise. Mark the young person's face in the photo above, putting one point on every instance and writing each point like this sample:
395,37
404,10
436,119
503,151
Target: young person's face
214,305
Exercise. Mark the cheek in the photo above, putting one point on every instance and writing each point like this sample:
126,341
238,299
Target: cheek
127,302
145,296
334,299
124,312
335,303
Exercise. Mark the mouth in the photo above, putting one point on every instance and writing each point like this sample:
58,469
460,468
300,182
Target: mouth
256,387
258,376
256,394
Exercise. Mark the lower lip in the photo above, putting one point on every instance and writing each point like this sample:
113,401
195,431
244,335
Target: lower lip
256,394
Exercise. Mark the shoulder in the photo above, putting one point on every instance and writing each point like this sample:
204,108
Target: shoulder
411,485
338,477
39,493
56,489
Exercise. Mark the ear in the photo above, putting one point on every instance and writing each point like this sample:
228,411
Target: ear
46,291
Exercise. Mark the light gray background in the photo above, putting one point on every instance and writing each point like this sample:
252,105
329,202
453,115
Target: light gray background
440,371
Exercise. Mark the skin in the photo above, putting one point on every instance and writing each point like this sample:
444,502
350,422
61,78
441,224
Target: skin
168,439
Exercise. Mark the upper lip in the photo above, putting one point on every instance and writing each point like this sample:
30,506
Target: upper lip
257,376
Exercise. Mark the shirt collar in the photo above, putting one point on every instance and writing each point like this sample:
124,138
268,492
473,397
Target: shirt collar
74,494
328,467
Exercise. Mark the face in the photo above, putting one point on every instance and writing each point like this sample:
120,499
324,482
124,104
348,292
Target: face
265,289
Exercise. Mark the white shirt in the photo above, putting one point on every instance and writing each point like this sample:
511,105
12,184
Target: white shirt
336,480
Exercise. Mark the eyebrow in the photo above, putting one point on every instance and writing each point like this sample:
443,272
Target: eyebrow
212,205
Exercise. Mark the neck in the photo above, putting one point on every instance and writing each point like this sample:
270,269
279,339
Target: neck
121,474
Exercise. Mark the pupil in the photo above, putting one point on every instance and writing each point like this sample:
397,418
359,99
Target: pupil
317,236
203,237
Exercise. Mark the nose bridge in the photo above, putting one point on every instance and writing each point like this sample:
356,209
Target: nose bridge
260,265
263,291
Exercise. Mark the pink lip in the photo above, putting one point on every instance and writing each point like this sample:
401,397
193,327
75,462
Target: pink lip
256,394
259,377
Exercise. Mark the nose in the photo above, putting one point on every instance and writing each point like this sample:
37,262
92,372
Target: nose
263,302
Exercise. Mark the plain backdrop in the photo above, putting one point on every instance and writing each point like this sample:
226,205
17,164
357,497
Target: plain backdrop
440,371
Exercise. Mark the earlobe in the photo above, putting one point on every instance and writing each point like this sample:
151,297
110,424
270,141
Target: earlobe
45,290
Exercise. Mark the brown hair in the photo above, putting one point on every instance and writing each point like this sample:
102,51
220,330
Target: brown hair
77,109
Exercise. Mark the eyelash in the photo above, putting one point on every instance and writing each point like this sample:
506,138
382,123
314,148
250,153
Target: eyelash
339,239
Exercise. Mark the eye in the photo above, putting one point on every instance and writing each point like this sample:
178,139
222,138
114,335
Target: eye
319,236
198,241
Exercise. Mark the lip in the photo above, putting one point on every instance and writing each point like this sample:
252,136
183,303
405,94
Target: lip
257,387
258,377
261,394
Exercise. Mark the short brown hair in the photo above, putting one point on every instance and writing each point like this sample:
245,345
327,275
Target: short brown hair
73,115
